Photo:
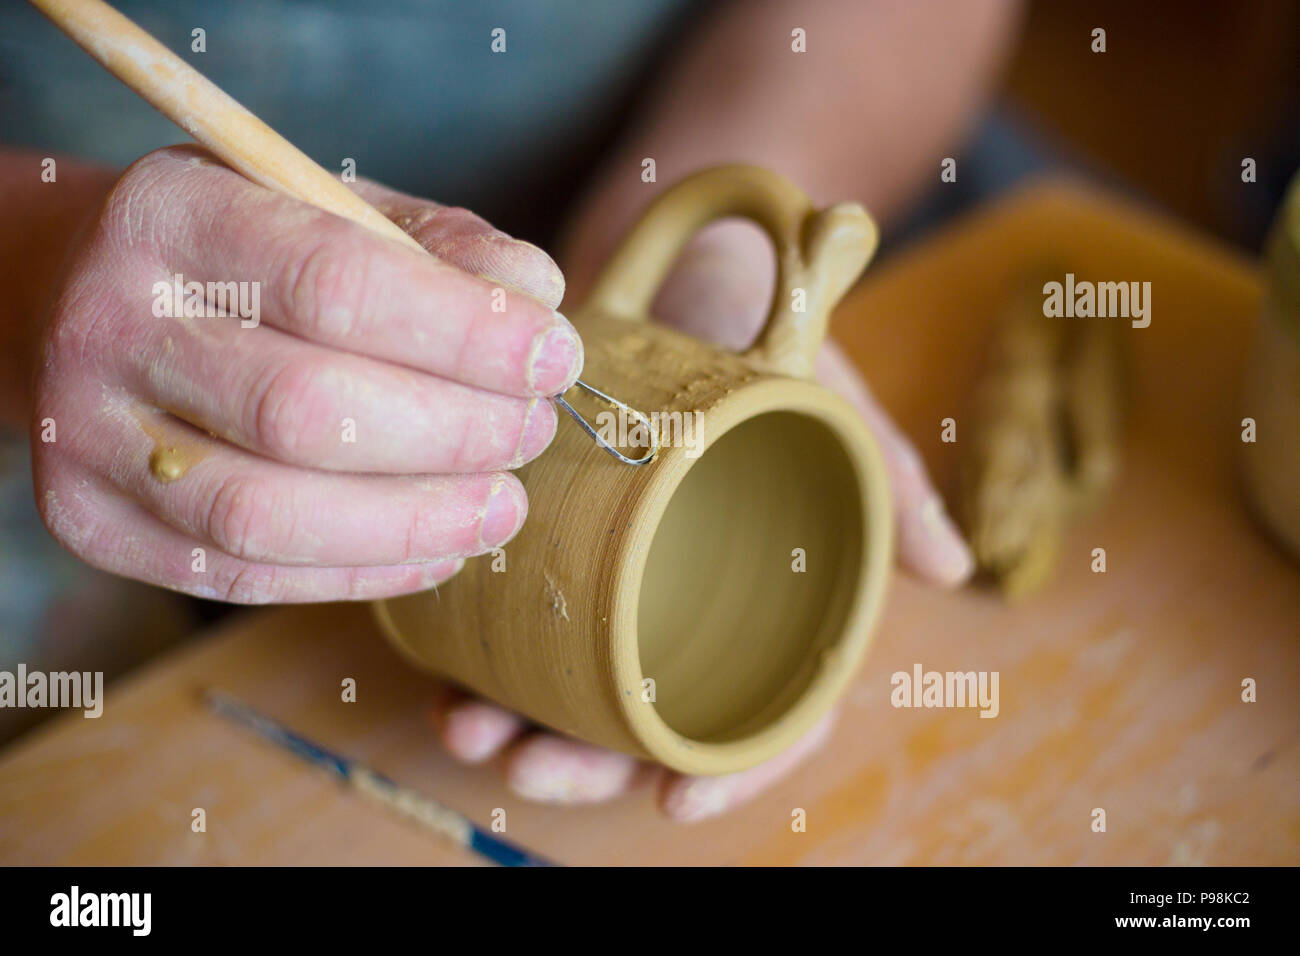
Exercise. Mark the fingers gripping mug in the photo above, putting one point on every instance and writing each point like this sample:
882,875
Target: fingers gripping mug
705,609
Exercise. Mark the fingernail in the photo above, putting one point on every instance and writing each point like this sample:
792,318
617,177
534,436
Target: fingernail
542,776
547,786
524,267
556,360
952,557
538,430
474,749
501,518
475,731
700,799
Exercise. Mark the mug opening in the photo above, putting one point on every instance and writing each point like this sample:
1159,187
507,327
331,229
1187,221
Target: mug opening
750,578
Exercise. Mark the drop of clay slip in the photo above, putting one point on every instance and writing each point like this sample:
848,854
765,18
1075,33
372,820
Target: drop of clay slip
167,463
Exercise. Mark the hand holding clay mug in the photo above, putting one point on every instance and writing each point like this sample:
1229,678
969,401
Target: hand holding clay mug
280,444
244,436
718,295
228,436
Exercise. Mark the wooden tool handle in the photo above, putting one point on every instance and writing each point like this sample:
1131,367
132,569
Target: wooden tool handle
203,110
818,252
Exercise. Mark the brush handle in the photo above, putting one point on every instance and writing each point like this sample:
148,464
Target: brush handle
202,109
428,813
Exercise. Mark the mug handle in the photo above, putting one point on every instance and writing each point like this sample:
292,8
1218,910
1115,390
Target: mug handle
821,252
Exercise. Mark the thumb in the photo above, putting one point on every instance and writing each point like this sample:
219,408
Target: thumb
928,541
721,286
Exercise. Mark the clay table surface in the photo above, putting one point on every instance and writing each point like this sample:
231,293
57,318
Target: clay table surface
1119,691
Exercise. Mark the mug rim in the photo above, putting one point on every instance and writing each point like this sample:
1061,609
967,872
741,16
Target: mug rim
763,396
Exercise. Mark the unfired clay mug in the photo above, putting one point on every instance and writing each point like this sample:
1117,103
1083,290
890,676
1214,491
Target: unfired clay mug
744,582
1271,393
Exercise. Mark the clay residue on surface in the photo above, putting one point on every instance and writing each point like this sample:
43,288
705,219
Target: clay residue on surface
559,606
174,452
627,346
1045,439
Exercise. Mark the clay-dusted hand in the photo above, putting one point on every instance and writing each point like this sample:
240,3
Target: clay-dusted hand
351,437
719,291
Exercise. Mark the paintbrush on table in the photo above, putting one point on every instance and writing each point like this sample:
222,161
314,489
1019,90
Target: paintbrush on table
428,813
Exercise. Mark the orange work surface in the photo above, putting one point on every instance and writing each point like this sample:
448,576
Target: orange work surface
1120,691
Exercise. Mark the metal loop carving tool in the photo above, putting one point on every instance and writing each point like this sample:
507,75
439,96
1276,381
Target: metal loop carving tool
586,426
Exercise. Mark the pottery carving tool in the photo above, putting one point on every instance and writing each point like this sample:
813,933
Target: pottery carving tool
1044,445
428,813
244,142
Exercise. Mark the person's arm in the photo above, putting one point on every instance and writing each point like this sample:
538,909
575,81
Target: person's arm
885,90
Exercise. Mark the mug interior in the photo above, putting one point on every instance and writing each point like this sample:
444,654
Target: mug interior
729,627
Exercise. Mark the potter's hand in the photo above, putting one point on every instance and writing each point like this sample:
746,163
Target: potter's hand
346,435
719,290
549,768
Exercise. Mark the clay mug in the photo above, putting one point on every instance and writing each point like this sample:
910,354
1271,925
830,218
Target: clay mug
1271,389
706,609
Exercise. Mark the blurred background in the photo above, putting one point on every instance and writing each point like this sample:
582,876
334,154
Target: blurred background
1191,89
